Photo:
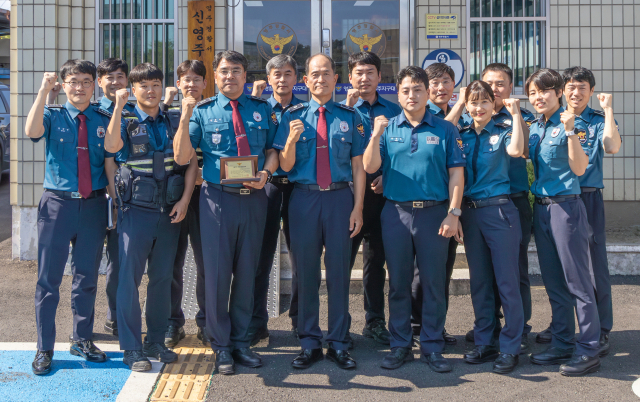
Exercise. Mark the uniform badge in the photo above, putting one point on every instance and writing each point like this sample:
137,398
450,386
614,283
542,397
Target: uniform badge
360,129
257,116
507,122
494,139
582,135
459,142
528,123
344,126
274,118
592,132
555,132
215,138
101,132
433,140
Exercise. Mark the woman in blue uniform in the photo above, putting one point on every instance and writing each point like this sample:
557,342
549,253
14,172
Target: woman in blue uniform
491,225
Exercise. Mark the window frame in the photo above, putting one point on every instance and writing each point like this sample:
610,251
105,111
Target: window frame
518,92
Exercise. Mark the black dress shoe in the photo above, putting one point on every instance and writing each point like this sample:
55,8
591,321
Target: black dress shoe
136,360
481,354
42,362
261,333
525,346
377,329
160,351
505,363
436,362
604,345
88,351
202,336
307,357
224,362
173,335
551,356
469,337
448,338
111,327
341,358
544,336
580,365
247,357
397,358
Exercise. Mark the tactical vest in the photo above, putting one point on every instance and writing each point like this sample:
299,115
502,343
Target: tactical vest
149,179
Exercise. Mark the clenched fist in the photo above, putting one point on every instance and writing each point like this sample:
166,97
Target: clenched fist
122,96
513,106
169,94
605,100
352,97
48,82
188,104
296,127
461,95
379,125
567,118
258,88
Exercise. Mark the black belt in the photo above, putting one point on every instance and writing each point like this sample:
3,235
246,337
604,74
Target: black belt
75,194
419,204
487,202
332,186
280,179
589,189
519,195
555,200
232,190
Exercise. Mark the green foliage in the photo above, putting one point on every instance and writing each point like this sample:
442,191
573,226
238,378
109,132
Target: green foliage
531,179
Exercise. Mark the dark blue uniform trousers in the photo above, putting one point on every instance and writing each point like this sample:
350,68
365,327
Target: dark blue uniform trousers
492,237
113,270
278,195
594,205
321,218
145,236
232,226
189,230
411,234
562,237
83,224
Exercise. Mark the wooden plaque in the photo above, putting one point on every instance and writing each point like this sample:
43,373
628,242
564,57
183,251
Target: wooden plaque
238,169
201,39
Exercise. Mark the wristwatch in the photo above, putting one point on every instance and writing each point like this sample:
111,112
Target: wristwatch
455,211
570,133
269,175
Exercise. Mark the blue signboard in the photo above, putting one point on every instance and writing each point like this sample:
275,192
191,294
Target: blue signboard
448,57
383,89
298,89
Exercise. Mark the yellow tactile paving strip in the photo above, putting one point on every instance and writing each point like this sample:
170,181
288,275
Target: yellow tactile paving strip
187,379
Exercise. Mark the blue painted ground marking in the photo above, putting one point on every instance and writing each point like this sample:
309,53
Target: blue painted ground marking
71,379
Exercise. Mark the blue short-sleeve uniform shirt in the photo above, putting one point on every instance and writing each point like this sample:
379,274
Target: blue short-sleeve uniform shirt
106,104
156,129
279,110
61,141
346,133
589,127
380,107
415,159
463,121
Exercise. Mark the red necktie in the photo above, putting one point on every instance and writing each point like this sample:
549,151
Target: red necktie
84,166
322,151
238,129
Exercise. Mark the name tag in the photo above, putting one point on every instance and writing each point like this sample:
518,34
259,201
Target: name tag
433,140
396,139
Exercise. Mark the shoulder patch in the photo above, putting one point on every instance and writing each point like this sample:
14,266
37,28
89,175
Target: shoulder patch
296,107
256,98
598,112
360,129
54,106
345,107
103,112
204,101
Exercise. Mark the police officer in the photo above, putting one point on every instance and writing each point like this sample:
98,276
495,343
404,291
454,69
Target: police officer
73,208
598,133
191,82
282,74
153,194
423,168
232,217
364,76
561,228
492,227
322,143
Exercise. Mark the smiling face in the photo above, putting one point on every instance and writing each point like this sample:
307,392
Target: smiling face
321,79
500,84
412,96
283,79
148,93
112,82
365,78
544,101
74,87
441,89
230,78
577,94
191,84
480,108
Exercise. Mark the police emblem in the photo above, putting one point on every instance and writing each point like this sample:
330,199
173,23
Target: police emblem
494,139
344,126
459,142
274,118
275,39
582,134
101,132
360,129
215,138
528,123
592,131
256,116
555,132
366,37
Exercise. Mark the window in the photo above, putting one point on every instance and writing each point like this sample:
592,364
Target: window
513,32
139,31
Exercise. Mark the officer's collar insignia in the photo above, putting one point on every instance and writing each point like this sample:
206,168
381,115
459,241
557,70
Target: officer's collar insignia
360,129
582,135
598,112
344,126
257,116
460,144
204,102
528,123
592,131
494,139
555,132
346,107
101,132
274,118
295,107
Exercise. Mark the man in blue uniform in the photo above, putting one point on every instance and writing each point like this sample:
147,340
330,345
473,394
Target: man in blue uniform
423,168
598,133
73,208
153,195
364,76
322,143
282,73
232,217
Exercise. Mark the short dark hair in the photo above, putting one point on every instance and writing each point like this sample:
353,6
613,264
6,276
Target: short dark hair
579,74
416,73
77,66
196,66
545,79
500,68
112,64
280,61
479,90
437,70
364,58
232,57
308,62
145,72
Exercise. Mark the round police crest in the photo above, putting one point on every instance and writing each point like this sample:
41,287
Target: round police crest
101,132
366,37
275,39
256,116
344,126
494,139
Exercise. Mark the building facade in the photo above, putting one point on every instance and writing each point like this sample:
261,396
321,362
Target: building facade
526,34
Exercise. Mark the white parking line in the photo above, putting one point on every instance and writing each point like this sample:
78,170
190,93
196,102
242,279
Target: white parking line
636,387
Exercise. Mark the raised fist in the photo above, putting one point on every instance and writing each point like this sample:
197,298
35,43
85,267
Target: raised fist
169,94
605,100
513,106
379,125
258,88
567,118
122,96
352,97
49,81
296,127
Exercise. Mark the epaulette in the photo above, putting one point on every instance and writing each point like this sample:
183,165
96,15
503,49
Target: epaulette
523,110
204,101
131,104
598,112
103,112
345,107
54,106
502,125
461,129
256,98
295,107
95,103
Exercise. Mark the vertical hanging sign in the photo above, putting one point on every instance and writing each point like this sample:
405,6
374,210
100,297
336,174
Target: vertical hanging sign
201,38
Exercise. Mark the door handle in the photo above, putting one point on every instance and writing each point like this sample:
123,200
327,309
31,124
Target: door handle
326,42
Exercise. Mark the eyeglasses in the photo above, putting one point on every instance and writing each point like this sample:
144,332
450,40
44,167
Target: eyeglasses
235,72
76,84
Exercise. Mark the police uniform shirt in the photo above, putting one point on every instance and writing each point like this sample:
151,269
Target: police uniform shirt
155,128
279,110
549,152
463,121
211,130
345,133
106,104
518,169
487,168
380,107
415,159
589,127
61,141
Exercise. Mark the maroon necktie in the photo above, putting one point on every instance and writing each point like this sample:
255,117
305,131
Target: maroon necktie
84,166
238,129
322,151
